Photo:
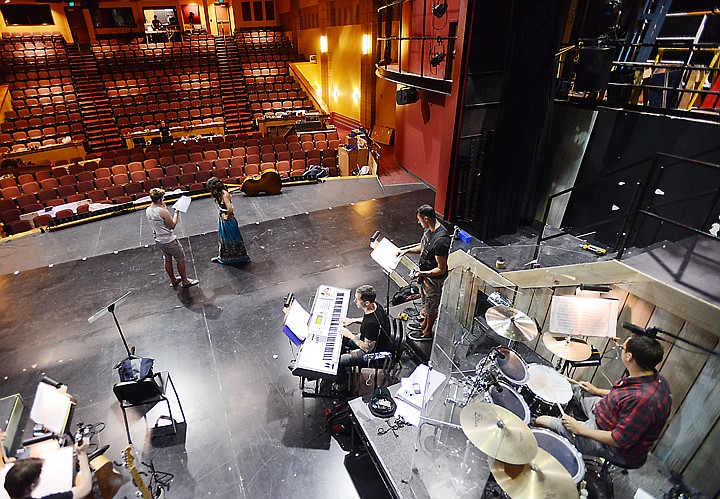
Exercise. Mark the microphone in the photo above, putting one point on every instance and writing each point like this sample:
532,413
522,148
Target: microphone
375,236
650,333
499,354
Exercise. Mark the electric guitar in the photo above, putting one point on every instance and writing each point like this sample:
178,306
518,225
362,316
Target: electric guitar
129,460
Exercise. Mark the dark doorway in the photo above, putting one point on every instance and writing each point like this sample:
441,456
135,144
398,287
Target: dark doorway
78,26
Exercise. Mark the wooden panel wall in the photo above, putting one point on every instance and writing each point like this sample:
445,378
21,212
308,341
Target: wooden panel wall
692,436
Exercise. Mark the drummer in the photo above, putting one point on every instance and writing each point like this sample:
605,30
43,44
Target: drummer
625,421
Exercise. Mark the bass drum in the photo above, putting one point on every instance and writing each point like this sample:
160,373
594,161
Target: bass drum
510,399
562,450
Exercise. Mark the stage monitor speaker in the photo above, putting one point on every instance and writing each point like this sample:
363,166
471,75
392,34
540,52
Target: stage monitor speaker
592,71
406,96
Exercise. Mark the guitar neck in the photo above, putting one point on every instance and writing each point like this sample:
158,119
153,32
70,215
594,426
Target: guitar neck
130,461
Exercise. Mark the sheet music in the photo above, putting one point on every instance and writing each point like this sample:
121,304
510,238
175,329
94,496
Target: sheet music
57,472
182,204
576,315
56,475
297,321
386,255
51,408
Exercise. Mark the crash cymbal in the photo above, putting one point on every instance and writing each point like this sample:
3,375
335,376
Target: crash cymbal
511,324
542,477
498,432
567,347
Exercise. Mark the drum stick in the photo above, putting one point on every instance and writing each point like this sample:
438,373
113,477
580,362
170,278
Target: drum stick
561,409
571,380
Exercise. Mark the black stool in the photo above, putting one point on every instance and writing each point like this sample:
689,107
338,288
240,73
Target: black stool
600,486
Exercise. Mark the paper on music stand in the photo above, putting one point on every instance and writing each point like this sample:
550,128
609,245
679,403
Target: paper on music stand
182,204
57,472
581,316
51,408
296,323
386,255
56,475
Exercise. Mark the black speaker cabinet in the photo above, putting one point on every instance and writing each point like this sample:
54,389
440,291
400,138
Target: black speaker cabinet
592,71
406,96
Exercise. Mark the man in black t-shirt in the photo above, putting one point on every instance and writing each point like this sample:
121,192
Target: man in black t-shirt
374,332
433,249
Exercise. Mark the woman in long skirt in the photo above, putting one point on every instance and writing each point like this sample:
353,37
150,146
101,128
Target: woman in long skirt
231,246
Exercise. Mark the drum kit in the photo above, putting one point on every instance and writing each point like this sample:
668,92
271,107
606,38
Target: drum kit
500,400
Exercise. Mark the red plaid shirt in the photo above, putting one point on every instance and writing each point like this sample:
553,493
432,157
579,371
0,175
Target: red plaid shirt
635,411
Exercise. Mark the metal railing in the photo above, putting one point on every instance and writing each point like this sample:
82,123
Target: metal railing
642,205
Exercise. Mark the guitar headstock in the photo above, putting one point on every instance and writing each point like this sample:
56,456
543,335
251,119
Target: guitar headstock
128,457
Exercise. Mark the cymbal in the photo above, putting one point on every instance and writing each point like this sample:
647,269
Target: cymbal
544,476
567,347
511,324
498,432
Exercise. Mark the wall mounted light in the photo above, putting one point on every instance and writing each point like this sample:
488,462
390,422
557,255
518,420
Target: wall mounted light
366,44
323,44
336,93
356,95
318,91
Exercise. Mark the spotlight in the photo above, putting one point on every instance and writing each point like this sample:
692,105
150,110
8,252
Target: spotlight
437,59
611,8
440,9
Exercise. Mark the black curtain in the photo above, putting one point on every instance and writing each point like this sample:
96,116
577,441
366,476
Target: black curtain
513,163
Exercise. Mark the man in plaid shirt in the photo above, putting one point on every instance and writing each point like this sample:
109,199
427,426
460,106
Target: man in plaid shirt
625,421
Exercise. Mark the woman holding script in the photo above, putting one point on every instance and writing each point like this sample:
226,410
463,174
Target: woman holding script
231,246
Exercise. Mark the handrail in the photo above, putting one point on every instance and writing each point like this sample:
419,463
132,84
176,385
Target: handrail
641,192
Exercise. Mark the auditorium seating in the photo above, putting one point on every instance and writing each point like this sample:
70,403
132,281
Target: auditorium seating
146,83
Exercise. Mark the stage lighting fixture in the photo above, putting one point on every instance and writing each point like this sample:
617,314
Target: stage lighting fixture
440,9
611,8
437,59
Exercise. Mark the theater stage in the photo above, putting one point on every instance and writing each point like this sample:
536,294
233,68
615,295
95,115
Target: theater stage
249,433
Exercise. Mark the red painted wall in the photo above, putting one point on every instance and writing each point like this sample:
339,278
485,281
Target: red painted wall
424,131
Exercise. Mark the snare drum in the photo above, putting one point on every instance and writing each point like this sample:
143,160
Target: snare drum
562,450
545,390
510,399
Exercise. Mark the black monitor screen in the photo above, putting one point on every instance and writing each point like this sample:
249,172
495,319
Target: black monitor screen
27,15
113,18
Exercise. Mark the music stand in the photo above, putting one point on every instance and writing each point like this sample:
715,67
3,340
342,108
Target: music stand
385,254
111,309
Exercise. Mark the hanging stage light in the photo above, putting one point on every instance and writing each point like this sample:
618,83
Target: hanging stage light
440,9
437,59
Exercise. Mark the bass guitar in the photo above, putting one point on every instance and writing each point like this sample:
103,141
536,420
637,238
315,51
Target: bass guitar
129,460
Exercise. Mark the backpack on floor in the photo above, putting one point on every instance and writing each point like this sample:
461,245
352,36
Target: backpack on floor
406,294
338,419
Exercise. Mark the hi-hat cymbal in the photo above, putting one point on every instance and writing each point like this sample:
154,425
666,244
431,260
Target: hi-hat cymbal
498,432
511,324
566,347
544,476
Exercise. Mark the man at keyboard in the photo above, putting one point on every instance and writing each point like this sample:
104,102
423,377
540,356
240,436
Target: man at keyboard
374,333
24,476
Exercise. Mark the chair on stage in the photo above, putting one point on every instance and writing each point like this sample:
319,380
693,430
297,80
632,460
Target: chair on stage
148,391
389,366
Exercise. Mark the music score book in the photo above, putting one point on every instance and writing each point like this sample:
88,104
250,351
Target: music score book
51,408
581,316
296,323
56,476
386,255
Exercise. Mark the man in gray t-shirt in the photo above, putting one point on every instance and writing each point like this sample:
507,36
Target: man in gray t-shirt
163,224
